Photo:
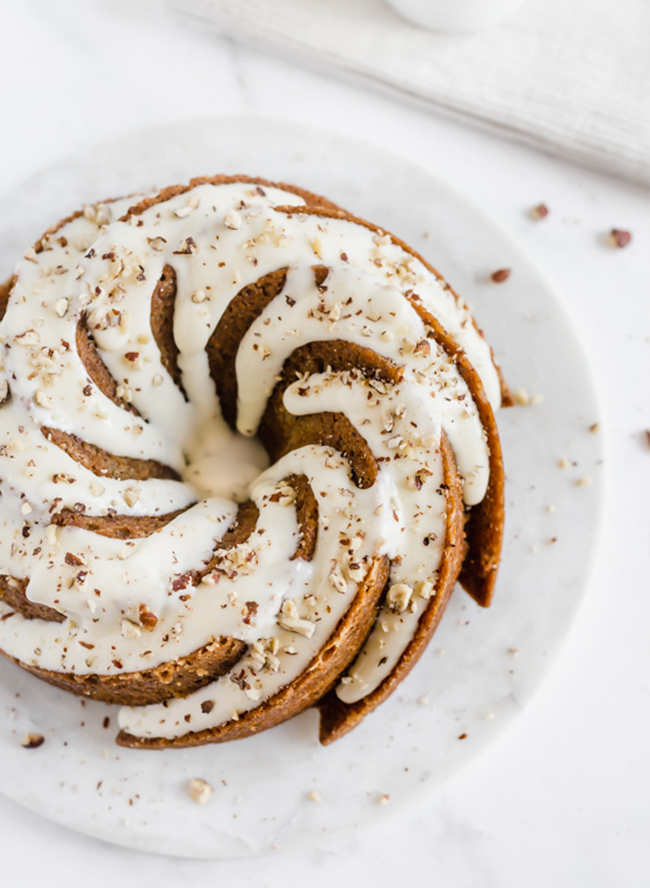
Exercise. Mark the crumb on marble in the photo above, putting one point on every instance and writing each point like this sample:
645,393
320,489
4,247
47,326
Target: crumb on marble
619,238
539,212
524,399
200,790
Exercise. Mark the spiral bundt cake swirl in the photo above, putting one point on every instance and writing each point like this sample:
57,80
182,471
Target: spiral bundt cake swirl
247,448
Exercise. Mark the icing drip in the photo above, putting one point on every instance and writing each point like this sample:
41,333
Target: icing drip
101,269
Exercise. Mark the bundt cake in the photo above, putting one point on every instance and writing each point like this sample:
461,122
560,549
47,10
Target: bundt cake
247,448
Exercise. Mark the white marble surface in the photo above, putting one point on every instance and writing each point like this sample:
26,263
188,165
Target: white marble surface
560,798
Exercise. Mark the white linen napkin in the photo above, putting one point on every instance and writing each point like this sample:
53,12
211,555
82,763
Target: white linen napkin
568,76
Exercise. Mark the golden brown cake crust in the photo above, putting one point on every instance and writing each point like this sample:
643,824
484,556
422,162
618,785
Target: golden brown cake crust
304,691
13,593
177,678
338,718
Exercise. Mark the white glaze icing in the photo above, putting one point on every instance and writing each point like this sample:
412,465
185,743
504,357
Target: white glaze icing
106,269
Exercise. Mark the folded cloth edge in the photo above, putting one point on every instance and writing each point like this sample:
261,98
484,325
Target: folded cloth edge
634,169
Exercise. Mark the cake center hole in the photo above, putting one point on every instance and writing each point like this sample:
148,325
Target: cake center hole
221,462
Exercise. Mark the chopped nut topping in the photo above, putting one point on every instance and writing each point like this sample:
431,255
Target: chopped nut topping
378,386
287,495
337,580
125,321
29,337
131,495
61,306
399,596
335,312
301,627
148,619
133,357
232,220
317,247
356,571
289,608
241,559
43,399
184,212
388,421
130,630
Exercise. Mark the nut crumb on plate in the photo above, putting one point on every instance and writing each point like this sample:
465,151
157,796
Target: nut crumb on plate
539,212
619,238
200,790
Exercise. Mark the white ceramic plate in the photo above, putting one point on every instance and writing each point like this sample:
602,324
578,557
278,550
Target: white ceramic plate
482,666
